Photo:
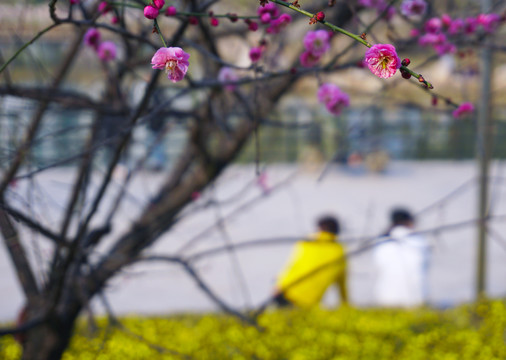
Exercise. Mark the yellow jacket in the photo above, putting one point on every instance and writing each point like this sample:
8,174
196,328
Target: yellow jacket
314,266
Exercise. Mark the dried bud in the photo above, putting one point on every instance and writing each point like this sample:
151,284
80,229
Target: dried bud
263,2
421,79
406,62
296,4
332,3
233,17
405,74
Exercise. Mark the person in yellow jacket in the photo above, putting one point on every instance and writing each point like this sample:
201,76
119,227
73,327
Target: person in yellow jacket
313,266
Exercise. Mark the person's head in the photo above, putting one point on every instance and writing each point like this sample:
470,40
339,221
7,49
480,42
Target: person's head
329,224
402,217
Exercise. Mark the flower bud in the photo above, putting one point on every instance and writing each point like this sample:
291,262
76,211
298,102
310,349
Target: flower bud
405,62
320,16
150,12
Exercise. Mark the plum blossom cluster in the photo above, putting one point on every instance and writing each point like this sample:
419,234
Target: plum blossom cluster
438,30
333,98
105,50
382,60
270,15
381,6
173,60
316,44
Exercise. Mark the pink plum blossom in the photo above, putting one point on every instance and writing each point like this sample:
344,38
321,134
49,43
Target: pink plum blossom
411,8
255,54
385,9
432,39
489,22
174,60
308,59
333,97
278,24
382,60
446,20
414,32
433,25
73,2
107,51
445,48
464,108
317,42
470,26
227,74
171,11
158,4
456,27
268,12
151,12
92,38
104,7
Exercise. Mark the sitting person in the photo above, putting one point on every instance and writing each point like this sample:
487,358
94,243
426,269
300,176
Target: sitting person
402,264
314,266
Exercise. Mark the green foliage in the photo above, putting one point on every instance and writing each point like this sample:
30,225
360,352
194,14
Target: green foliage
465,333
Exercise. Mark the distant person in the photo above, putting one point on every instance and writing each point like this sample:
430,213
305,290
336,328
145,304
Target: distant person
314,266
402,264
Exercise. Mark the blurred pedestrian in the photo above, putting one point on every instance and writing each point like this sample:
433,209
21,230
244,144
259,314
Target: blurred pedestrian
402,264
313,266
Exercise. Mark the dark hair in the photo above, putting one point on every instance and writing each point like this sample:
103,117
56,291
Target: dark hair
401,217
329,224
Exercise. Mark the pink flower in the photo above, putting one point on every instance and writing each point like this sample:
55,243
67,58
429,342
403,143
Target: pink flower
104,7
414,32
171,11
308,59
464,108
279,24
73,2
456,27
413,7
174,60
432,39
92,38
470,25
333,97
150,12
446,20
115,20
382,60
227,74
158,4
255,54
267,13
317,42
389,13
445,48
433,25
489,22
107,51
262,183
214,21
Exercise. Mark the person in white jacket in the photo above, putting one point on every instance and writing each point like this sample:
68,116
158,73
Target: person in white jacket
401,258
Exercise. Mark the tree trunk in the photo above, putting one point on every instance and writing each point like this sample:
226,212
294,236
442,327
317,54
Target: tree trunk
50,340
